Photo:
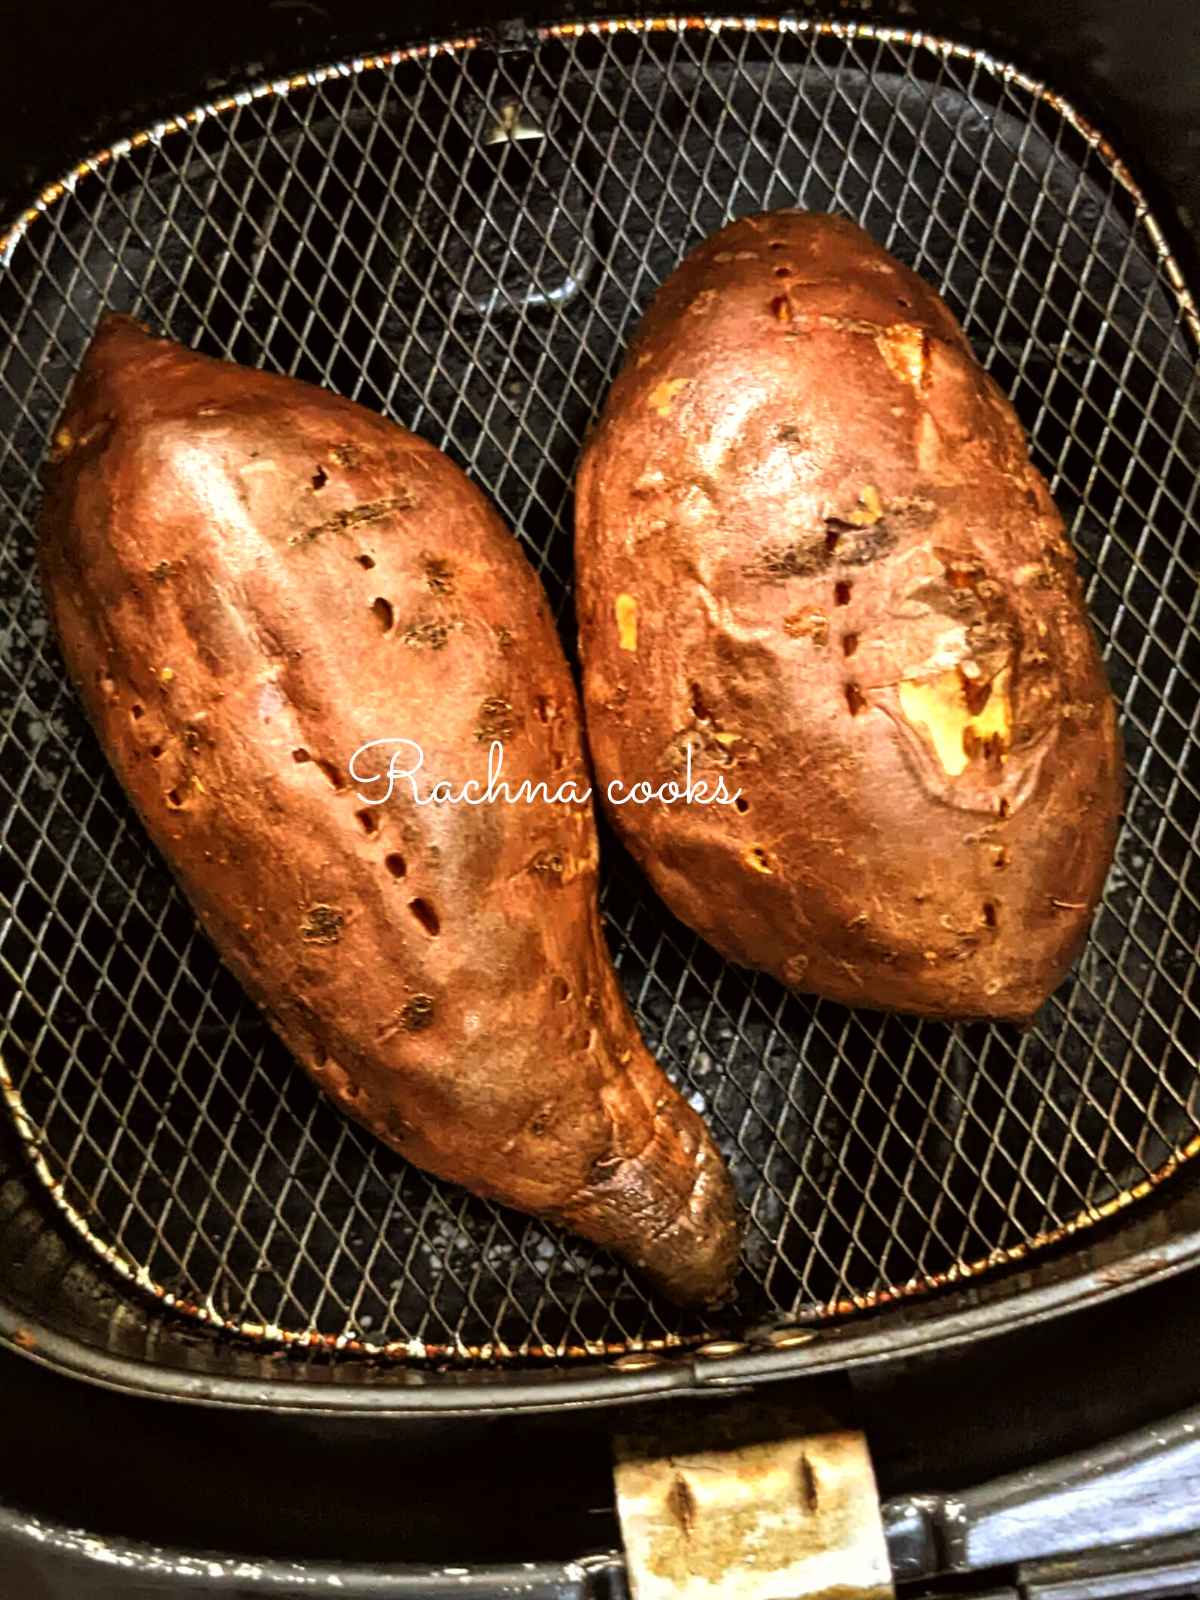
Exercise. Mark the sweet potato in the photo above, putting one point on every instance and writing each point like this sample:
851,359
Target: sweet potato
251,579
813,557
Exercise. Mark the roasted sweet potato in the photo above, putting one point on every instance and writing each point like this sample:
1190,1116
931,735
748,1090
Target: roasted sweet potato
251,579
813,558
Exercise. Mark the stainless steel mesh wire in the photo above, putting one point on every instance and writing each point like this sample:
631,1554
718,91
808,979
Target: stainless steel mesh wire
368,228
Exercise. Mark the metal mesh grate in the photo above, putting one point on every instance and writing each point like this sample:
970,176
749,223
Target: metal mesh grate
358,229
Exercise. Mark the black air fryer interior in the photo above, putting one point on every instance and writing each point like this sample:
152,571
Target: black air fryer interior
362,231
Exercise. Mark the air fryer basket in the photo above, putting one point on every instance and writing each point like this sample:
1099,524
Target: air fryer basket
463,237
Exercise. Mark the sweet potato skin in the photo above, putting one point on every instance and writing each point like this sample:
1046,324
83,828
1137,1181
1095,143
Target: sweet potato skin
811,547
252,578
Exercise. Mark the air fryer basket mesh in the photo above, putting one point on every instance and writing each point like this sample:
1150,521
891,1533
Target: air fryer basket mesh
374,228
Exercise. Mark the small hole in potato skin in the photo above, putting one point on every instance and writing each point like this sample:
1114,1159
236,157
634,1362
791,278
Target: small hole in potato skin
332,775
741,804
155,752
543,708
989,914
841,592
301,755
396,864
783,272
137,711
367,821
174,798
560,990
1002,809
855,699
777,244
849,644
426,916
381,610
700,707
320,478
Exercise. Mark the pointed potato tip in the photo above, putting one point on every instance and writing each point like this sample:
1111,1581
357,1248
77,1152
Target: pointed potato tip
694,1261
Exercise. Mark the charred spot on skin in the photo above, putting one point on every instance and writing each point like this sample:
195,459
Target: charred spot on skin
439,574
417,1014
790,561
381,610
322,925
396,864
867,546
548,865
356,516
540,1121
425,635
497,720
756,859
426,916
367,821
856,700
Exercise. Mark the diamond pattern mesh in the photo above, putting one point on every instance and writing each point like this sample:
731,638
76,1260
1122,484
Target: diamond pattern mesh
360,231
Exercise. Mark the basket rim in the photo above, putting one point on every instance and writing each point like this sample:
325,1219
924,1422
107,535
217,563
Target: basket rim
902,1326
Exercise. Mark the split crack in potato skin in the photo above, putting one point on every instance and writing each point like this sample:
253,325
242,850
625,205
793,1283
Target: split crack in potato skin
863,560
406,954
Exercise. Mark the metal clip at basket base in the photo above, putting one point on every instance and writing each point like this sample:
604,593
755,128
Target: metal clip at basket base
778,1517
